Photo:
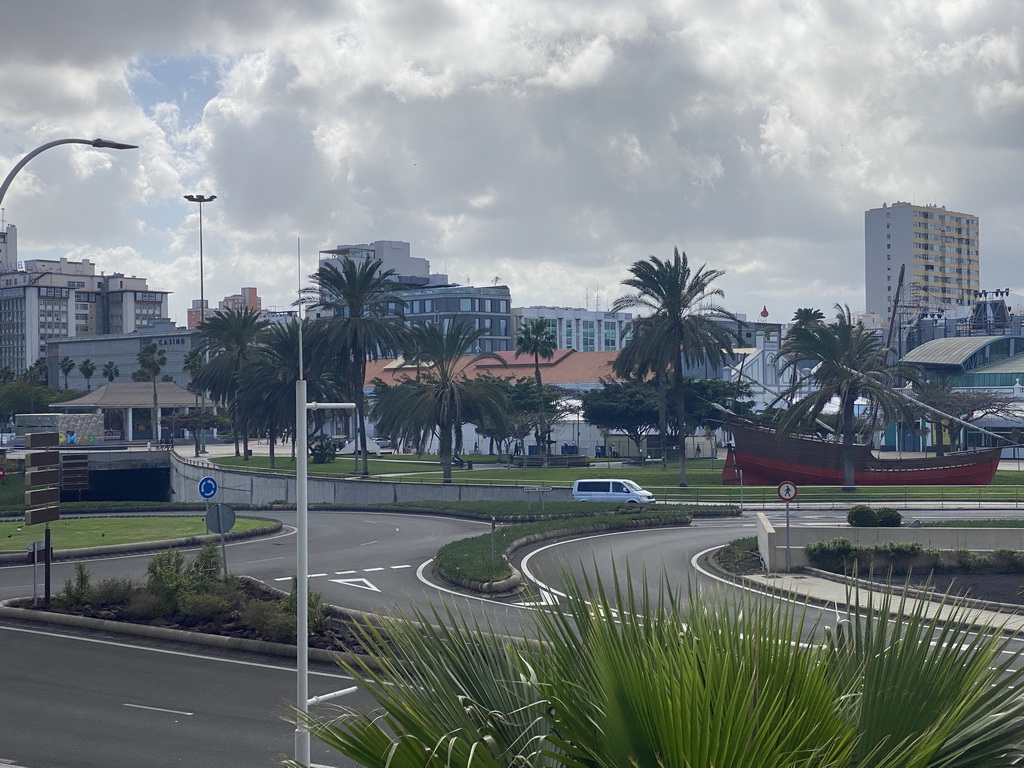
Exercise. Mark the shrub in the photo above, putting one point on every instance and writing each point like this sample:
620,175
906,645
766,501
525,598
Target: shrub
830,555
205,570
205,607
167,579
318,613
76,591
113,591
143,604
270,620
900,554
887,517
1007,561
862,516
968,561
746,542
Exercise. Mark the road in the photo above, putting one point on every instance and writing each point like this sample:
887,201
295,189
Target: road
74,700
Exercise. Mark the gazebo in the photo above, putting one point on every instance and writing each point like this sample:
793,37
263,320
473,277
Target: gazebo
127,408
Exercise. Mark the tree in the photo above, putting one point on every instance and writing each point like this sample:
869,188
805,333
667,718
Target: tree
443,398
618,679
363,324
848,363
152,360
968,405
66,366
807,316
684,326
231,338
110,371
628,406
534,338
87,368
7,375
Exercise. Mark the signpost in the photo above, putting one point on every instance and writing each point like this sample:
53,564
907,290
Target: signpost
42,492
207,487
220,518
787,492
540,490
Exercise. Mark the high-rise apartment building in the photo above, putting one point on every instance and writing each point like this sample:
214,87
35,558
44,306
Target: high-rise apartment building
938,250
247,299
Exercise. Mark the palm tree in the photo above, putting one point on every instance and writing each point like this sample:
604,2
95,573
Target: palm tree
807,315
442,398
364,322
7,375
231,338
848,363
66,366
87,368
618,679
152,360
684,327
111,371
536,339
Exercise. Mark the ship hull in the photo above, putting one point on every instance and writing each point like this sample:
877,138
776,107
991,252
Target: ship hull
764,459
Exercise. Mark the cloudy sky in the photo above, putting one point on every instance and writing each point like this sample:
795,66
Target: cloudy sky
543,144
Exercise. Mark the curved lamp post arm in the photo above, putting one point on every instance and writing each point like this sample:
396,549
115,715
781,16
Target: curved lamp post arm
98,143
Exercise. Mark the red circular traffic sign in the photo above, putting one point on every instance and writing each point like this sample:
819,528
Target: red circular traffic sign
3,473
787,490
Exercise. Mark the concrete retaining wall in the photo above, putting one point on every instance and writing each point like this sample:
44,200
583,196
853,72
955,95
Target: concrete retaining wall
262,488
771,541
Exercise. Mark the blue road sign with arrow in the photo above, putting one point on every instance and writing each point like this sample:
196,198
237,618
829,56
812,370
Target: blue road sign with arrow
207,487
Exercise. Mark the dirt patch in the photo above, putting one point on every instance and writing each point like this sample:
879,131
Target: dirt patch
738,561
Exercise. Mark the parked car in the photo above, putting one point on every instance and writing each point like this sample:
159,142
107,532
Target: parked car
614,490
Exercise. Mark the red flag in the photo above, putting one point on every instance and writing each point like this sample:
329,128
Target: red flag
764,311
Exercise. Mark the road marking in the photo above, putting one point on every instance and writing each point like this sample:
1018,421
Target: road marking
343,573
161,709
10,763
371,570
546,598
315,575
396,567
361,583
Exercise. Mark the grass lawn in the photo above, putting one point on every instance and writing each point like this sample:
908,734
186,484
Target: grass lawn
106,531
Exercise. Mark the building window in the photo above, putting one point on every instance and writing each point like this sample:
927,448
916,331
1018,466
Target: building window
588,336
609,337
568,335
465,305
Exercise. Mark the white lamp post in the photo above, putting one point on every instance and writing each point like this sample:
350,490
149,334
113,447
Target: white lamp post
302,699
202,299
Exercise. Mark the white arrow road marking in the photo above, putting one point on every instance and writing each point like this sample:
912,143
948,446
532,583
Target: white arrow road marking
546,598
361,583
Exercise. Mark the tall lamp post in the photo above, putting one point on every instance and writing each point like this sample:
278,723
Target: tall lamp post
98,143
202,299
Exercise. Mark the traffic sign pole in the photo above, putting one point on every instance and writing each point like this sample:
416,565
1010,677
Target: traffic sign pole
787,492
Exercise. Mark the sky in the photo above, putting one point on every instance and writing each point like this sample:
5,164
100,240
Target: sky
546,145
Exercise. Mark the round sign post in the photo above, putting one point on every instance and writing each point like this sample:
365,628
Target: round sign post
3,473
207,487
220,518
787,492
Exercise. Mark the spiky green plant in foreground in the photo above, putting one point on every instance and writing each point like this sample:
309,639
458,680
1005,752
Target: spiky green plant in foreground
619,681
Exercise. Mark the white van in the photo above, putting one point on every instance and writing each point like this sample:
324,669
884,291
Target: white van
622,491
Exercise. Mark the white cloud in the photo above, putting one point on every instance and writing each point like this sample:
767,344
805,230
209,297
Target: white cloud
551,143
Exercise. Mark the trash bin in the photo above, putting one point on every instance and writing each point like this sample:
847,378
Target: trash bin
248,453
469,465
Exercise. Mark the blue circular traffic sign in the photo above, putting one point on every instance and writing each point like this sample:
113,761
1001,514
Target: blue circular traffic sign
207,487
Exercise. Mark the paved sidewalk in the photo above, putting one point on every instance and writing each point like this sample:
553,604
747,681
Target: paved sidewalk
828,593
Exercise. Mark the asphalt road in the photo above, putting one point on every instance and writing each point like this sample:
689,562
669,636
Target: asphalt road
73,700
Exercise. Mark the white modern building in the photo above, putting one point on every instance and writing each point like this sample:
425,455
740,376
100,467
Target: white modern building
580,329
938,250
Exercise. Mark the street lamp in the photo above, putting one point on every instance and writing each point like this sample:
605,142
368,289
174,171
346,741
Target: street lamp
98,143
302,700
202,298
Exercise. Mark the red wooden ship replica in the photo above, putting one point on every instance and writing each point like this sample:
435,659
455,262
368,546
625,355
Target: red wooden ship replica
764,459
